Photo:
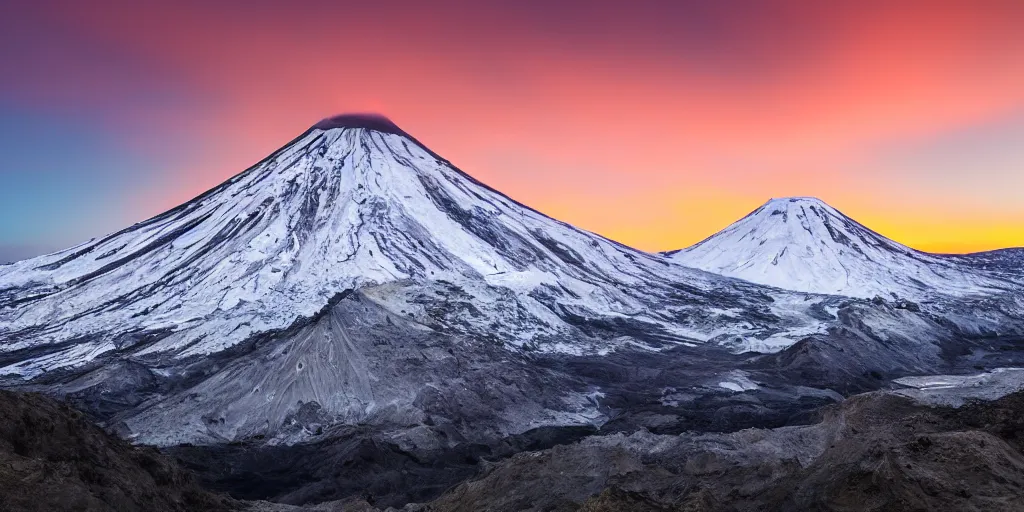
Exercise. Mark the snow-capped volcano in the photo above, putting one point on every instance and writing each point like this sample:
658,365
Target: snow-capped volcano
354,276
353,203
803,244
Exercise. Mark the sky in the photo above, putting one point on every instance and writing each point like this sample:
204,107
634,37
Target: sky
652,123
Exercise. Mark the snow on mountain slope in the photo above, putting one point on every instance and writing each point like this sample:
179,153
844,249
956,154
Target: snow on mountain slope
355,203
1006,263
803,244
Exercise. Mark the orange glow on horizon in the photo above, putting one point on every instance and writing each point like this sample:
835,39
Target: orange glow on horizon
645,146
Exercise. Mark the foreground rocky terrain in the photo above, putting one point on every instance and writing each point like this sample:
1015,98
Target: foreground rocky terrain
874,451
52,457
